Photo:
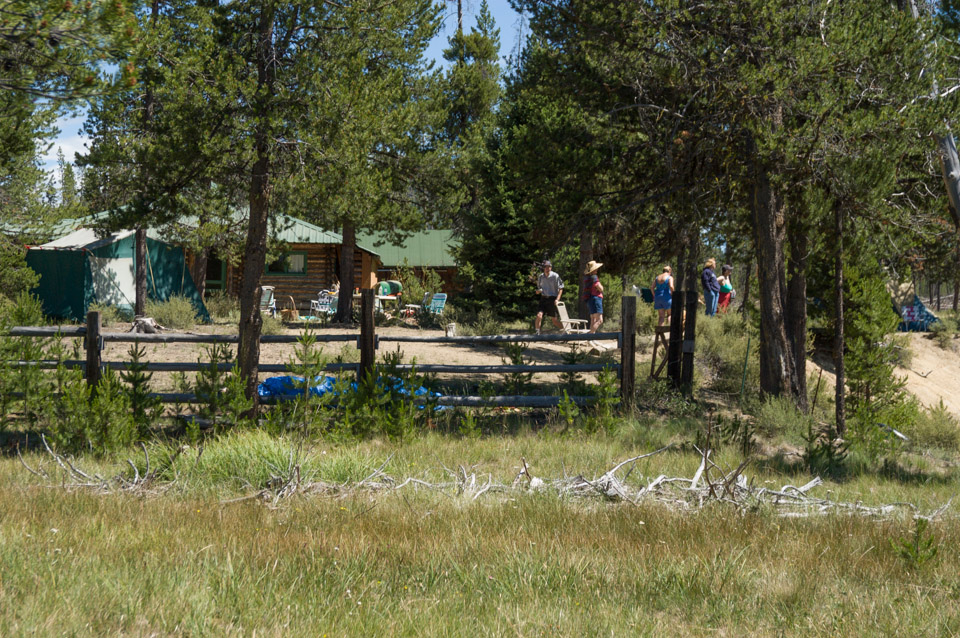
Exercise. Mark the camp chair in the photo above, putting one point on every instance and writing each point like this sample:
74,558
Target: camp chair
411,309
578,326
268,302
325,304
437,302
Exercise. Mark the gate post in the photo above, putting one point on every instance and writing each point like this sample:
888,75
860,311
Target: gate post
628,351
690,334
674,346
367,333
93,343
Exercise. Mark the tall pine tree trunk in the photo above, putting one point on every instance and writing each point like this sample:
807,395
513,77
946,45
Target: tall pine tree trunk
745,290
140,235
255,255
345,302
778,374
586,255
797,310
838,338
140,270
199,270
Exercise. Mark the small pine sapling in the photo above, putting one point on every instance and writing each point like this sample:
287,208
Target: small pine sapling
145,409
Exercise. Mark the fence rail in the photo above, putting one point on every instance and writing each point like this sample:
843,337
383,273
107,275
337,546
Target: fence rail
366,341
180,337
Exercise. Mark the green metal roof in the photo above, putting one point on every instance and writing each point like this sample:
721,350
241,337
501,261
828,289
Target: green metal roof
427,248
283,228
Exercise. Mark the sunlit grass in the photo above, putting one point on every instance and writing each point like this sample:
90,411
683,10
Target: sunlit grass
73,562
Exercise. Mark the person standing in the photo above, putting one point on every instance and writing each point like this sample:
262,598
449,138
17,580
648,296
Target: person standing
593,295
663,295
550,287
726,289
711,287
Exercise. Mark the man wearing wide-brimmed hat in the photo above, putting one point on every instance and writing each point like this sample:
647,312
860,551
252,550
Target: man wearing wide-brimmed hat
593,294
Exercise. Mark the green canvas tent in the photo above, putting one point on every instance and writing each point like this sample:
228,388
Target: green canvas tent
81,268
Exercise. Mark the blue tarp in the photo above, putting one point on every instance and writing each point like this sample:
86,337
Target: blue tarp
290,387
916,318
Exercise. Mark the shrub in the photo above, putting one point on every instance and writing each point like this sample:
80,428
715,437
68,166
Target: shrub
944,332
937,427
176,312
778,416
417,282
221,305
612,299
486,323
23,310
271,325
110,314
721,350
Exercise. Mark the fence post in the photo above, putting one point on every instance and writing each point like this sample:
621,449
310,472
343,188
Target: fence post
690,334
675,344
93,344
367,333
628,351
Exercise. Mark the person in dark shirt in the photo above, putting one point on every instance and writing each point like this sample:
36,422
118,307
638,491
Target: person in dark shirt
711,287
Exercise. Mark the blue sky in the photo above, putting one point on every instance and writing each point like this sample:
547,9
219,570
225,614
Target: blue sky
508,21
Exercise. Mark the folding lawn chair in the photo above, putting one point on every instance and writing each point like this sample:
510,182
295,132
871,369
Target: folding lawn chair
578,326
268,302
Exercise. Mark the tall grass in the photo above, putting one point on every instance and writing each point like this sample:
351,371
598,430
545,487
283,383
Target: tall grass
420,563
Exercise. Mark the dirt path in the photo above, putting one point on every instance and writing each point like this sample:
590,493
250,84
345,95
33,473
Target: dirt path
933,374
423,353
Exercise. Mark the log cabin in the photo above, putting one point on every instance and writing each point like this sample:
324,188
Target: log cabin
310,263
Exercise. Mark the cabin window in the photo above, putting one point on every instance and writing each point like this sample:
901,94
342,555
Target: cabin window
290,264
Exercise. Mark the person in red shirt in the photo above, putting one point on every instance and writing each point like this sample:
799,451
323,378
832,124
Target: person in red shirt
593,294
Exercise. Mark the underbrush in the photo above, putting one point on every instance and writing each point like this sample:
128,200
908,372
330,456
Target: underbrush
255,459
722,351
937,427
222,306
177,312
110,315
944,333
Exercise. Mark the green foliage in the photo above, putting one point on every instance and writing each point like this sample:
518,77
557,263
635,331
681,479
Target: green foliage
110,315
778,417
573,381
944,332
721,352
607,393
144,409
221,392
568,410
222,305
271,325
177,312
916,550
417,282
16,278
824,454
516,382
937,427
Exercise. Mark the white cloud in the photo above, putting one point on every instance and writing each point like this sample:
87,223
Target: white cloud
70,141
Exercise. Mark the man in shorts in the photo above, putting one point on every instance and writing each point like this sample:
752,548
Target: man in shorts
550,288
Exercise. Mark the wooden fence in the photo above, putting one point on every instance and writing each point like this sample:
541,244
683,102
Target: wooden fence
367,342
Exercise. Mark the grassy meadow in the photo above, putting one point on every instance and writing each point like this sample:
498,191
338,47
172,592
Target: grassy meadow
186,561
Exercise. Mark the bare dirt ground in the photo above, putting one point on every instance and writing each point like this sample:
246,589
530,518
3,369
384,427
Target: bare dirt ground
934,373
422,353
932,376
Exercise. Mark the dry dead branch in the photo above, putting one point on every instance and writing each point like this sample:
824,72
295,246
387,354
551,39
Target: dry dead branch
709,484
